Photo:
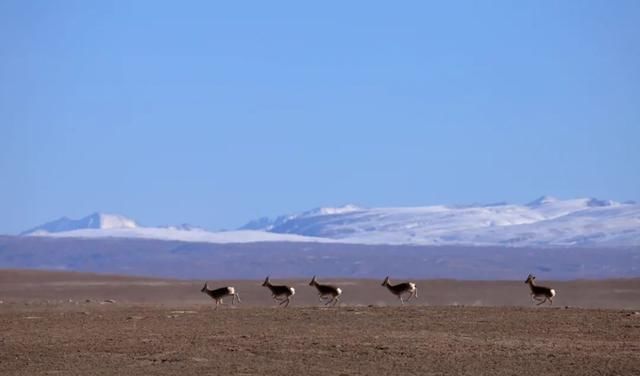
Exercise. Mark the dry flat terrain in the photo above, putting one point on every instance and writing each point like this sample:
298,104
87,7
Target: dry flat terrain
60,324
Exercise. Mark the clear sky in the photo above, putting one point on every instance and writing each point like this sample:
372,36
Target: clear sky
215,113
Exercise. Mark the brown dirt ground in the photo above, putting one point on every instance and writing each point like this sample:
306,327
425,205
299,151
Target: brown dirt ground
160,327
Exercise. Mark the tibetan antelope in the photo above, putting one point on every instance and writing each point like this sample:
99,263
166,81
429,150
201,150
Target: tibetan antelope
328,294
402,289
540,293
280,293
220,293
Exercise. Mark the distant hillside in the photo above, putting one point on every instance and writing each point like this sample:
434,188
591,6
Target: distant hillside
294,259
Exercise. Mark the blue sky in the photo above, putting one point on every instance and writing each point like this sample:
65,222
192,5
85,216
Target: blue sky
215,114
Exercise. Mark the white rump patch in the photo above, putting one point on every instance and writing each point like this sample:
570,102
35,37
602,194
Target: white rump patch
553,293
293,291
339,291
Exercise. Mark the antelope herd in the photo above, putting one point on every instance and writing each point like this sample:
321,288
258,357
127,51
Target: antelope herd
330,295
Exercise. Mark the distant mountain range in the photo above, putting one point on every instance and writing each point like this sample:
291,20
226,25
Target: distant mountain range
566,239
545,222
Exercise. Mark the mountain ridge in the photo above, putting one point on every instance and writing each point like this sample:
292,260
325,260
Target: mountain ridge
546,221
94,220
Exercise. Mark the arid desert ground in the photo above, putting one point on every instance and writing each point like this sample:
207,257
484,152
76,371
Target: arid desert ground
55,323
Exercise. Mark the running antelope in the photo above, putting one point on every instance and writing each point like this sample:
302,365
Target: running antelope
328,294
220,293
402,289
280,293
540,293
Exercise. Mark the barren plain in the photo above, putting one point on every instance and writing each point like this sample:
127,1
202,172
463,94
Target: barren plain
60,323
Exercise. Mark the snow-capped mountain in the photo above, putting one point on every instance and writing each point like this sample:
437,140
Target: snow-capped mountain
101,221
546,221
100,225
267,224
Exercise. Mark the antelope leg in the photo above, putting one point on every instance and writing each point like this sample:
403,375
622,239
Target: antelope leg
410,297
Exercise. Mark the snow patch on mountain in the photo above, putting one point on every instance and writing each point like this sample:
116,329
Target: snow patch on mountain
332,211
176,234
